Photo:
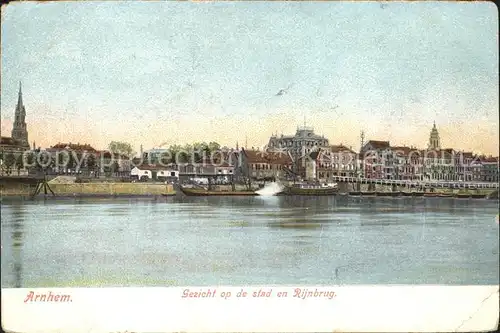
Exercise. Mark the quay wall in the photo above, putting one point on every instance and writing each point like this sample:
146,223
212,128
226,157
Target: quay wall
112,189
16,189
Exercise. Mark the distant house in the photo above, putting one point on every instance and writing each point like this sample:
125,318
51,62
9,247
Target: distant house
79,154
489,169
374,155
322,165
154,172
406,163
87,158
342,160
9,145
265,165
224,165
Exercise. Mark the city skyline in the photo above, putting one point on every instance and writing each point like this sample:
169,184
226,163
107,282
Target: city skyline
236,72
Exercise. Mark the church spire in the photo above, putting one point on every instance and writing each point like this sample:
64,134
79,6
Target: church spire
434,141
20,97
19,130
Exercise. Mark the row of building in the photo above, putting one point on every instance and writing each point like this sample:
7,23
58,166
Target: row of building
304,155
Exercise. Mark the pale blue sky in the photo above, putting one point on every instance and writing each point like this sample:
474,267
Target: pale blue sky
153,72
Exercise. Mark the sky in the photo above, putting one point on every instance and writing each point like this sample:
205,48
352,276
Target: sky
162,73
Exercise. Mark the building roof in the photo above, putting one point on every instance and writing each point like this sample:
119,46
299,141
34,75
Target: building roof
73,146
401,150
153,167
376,144
7,141
341,149
486,159
266,157
489,159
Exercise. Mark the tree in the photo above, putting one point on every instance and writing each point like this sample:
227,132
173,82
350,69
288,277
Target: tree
91,162
213,146
115,167
44,161
29,160
9,161
174,150
122,148
19,163
71,162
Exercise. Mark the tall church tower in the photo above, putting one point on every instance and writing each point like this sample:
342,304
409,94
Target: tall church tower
19,130
434,138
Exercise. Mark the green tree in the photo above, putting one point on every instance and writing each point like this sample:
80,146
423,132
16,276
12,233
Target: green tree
213,146
19,163
200,149
91,162
44,161
122,148
115,167
71,162
9,161
30,159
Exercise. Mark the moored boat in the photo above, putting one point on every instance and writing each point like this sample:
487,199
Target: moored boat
200,192
310,189
388,194
478,196
462,196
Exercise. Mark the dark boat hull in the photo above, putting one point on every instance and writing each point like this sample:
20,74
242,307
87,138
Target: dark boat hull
388,194
195,192
309,191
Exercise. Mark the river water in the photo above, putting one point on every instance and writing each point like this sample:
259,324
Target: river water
249,240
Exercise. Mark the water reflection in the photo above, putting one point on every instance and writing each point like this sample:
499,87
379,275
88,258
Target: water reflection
250,240
17,243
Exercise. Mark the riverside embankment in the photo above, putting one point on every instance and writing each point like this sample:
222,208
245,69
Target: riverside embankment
24,189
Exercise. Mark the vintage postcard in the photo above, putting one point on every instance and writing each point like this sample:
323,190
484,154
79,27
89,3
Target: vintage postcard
176,166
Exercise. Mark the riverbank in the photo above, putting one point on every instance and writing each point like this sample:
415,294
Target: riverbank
91,190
